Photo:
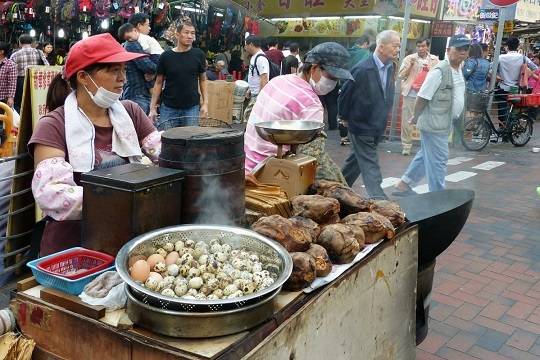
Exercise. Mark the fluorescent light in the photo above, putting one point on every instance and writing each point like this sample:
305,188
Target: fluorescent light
324,18
61,33
190,9
286,19
105,24
421,21
84,34
32,33
219,14
395,18
363,17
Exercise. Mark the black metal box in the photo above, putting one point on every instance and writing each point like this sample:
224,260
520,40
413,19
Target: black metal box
122,202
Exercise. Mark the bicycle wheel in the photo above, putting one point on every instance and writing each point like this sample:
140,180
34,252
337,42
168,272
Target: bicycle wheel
521,129
476,133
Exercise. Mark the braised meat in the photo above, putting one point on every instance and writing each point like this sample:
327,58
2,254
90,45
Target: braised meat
303,273
315,207
322,260
375,226
307,224
283,231
349,201
340,243
390,210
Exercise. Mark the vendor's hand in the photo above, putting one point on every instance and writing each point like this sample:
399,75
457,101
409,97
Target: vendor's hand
248,94
10,101
413,120
203,113
153,115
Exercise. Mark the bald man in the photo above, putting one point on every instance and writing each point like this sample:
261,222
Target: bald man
215,72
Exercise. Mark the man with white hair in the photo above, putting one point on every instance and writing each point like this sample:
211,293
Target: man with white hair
364,104
440,101
218,72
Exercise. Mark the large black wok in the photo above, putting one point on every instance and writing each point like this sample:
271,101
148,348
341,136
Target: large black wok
440,217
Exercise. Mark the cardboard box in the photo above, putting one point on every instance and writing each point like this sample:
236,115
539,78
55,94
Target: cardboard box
220,100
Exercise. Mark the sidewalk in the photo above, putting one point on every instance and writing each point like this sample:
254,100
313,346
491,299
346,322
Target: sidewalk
486,296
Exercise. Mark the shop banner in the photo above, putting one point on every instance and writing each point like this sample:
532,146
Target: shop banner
461,10
508,26
344,27
313,8
528,10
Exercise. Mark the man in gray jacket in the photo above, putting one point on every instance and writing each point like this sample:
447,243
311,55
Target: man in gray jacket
441,99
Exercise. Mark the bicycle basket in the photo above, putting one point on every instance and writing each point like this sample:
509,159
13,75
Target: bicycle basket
477,101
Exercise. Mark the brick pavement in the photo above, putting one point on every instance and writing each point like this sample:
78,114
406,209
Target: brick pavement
486,296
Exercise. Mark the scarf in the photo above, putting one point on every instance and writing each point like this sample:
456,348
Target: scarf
80,135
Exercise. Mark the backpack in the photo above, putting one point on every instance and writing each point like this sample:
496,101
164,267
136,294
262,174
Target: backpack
274,68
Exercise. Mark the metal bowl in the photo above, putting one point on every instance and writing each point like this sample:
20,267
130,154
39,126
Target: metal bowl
199,324
270,252
288,132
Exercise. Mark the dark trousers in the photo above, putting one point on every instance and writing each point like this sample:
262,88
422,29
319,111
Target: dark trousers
329,102
19,94
364,160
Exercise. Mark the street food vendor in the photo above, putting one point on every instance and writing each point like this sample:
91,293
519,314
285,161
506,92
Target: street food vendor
92,130
296,97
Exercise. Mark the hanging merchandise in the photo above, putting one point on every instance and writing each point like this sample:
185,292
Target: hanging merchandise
4,12
30,10
161,12
102,9
85,6
68,11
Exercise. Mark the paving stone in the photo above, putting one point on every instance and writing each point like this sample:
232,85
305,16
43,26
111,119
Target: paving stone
494,311
492,340
433,342
467,311
494,325
484,354
517,354
463,341
522,340
520,310
451,354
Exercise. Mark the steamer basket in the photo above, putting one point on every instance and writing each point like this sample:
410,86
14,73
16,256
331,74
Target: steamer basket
270,252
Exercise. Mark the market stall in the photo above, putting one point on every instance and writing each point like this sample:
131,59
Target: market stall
214,291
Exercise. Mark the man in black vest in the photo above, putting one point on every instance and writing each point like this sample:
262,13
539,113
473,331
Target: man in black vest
364,105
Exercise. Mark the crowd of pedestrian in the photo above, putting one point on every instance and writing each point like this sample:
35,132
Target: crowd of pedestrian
352,90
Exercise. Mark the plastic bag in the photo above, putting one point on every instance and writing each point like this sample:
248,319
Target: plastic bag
16,119
115,299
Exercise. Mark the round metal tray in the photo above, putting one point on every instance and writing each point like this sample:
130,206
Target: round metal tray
146,244
198,325
288,132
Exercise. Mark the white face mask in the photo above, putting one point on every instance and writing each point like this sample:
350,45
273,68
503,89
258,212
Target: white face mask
103,97
323,86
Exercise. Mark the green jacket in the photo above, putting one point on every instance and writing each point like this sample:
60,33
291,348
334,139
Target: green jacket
357,54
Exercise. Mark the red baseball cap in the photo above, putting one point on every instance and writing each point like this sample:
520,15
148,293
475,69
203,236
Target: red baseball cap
102,48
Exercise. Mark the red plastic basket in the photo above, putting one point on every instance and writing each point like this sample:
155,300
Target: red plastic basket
76,264
525,100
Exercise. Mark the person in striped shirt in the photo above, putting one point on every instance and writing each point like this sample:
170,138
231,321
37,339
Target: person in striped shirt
296,97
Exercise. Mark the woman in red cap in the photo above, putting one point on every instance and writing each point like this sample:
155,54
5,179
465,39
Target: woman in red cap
90,129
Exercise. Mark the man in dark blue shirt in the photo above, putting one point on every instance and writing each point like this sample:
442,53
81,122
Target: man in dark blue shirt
136,87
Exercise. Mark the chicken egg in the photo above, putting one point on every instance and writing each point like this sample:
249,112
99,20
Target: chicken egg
134,259
140,271
154,259
171,258
156,276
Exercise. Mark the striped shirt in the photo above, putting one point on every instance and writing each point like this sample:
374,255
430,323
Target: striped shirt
28,56
287,97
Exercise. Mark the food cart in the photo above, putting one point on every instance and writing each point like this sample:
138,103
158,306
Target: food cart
368,310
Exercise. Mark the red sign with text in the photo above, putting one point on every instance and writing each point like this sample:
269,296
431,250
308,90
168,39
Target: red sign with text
503,3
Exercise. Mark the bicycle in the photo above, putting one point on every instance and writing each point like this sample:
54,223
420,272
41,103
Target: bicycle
478,129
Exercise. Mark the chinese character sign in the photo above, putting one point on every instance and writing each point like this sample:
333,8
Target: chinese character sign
40,80
461,9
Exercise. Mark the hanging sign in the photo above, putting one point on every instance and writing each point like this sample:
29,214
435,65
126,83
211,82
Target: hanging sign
488,14
442,29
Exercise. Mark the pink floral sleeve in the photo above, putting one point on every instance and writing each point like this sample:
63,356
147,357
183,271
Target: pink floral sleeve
55,190
151,145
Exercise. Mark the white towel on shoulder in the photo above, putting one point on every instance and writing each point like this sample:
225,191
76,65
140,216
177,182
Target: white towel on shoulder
80,135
